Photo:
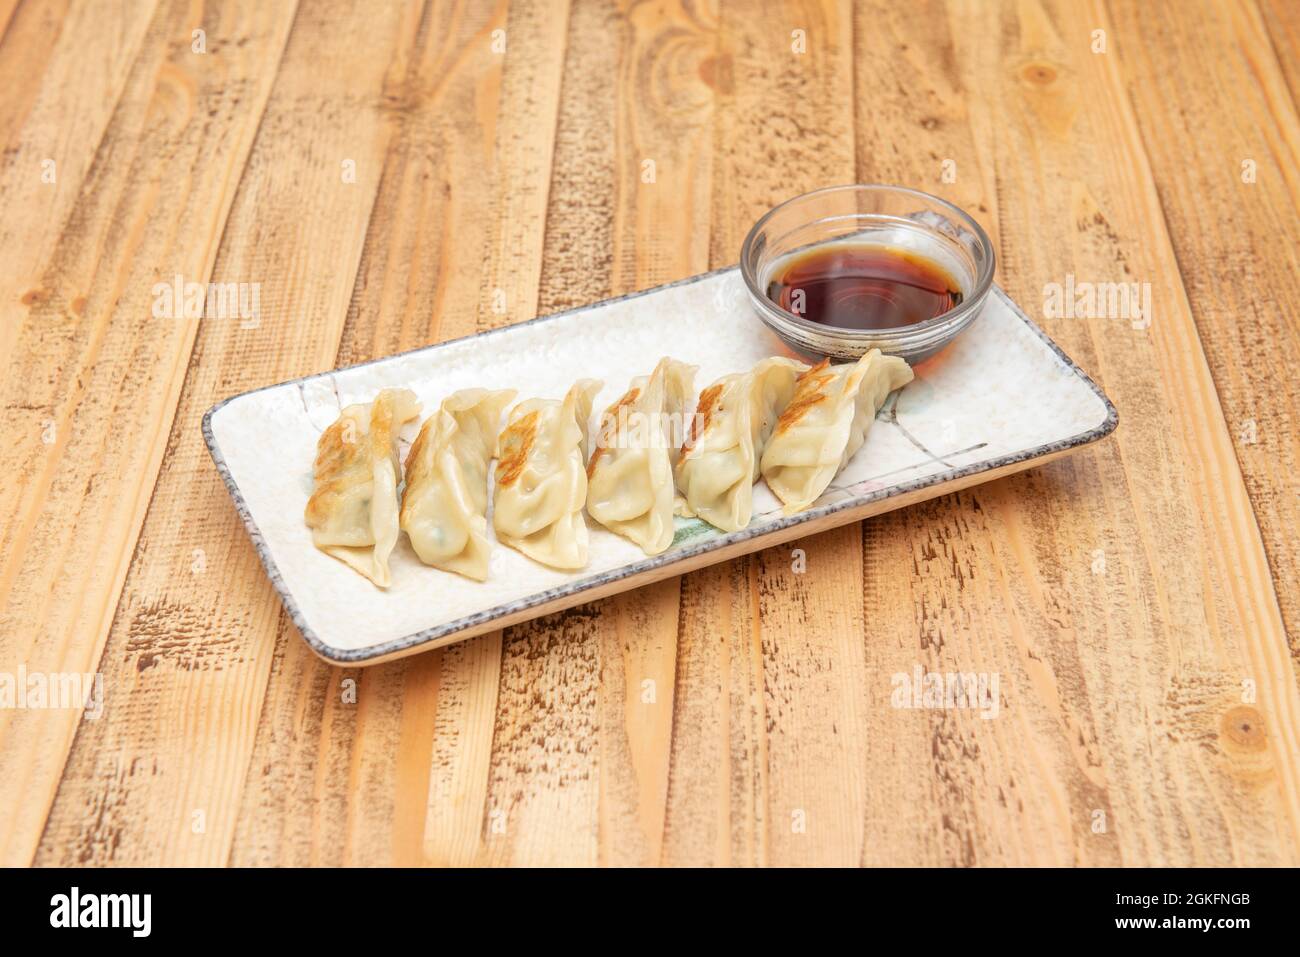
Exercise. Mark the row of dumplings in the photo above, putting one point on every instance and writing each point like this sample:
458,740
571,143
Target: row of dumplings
796,426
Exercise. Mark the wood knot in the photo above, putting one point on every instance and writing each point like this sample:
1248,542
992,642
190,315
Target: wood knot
1243,729
1039,74
716,72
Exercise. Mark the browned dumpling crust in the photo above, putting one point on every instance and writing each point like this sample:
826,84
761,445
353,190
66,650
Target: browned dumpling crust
630,488
444,504
826,423
352,511
732,423
541,479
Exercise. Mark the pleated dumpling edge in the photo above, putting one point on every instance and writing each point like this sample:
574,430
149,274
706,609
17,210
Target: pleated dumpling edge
631,490
444,504
353,509
541,478
826,423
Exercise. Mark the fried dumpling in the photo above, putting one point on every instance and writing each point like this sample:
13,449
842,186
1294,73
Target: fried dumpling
444,506
630,488
826,423
541,481
353,508
732,423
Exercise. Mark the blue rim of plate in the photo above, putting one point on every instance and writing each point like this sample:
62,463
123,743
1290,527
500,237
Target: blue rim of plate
353,656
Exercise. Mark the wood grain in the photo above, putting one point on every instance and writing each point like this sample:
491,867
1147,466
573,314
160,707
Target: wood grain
141,793
94,379
574,700
1196,595
779,694
396,174
51,54
967,613
1233,223
460,108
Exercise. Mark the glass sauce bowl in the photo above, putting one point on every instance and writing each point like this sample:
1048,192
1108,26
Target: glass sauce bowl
869,215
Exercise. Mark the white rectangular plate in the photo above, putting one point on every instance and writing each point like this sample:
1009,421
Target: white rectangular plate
1001,399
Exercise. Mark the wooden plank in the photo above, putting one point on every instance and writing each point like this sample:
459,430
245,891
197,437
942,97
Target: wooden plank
195,637
486,275
580,756
662,165
1282,21
27,52
770,661
1234,221
51,54
1147,709
1225,627
7,8
419,733
999,580
97,376
468,819
1122,596
936,593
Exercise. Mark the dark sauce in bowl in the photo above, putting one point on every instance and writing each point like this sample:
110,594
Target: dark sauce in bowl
862,287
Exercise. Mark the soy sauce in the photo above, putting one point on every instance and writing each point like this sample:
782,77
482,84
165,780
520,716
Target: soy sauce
863,287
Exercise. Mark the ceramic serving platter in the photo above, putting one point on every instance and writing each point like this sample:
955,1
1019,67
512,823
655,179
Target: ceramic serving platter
1001,399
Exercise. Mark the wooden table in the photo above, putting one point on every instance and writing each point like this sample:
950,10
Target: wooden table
392,175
